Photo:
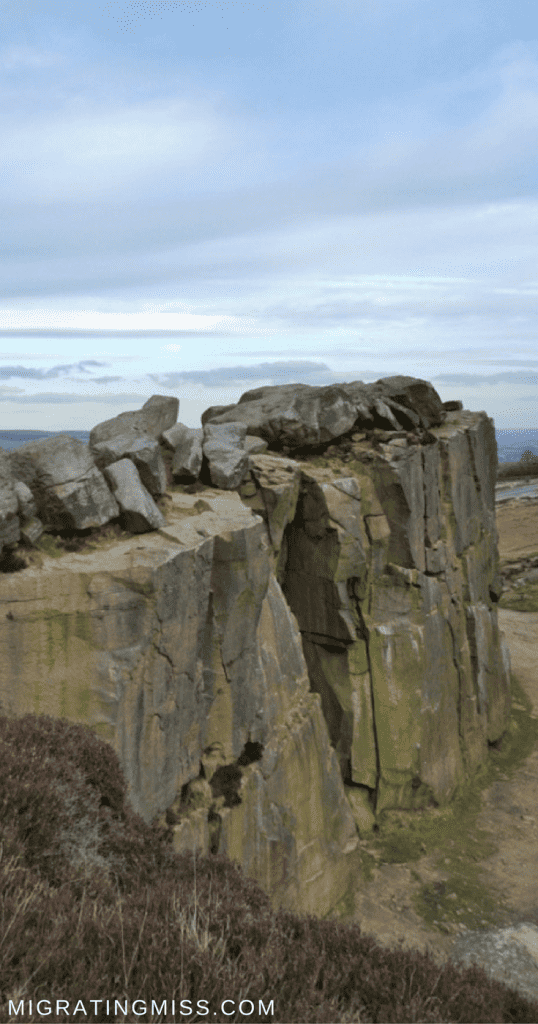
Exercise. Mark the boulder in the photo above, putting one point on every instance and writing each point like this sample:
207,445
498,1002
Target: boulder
295,416
172,437
26,504
214,410
224,451
417,397
188,452
255,445
69,491
139,513
144,452
9,506
159,413
30,526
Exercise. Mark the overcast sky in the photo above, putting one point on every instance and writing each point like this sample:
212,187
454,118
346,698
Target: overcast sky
202,197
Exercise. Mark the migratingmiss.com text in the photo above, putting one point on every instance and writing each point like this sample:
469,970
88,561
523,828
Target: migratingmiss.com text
184,1007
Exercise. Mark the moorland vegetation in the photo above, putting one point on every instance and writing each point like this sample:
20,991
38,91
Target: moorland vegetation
96,905
526,467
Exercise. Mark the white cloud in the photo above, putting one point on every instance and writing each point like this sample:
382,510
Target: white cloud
51,319
86,151
19,57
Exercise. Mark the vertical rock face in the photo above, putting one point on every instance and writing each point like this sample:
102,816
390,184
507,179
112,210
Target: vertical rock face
275,665
183,653
389,570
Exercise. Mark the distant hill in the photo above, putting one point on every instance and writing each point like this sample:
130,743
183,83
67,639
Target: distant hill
511,443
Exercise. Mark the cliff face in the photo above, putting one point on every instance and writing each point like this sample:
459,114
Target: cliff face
391,569
182,652
276,666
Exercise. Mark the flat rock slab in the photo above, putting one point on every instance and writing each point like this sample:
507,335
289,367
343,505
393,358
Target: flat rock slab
190,519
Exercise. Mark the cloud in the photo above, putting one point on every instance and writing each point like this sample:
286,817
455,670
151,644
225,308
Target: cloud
31,373
59,398
283,372
89,320
516,377
92,151
21,57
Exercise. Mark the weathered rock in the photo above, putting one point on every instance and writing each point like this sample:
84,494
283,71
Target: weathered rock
69,491
292,414
142,450
171,438
188,452
417,397
158,414
299,415
9,506
224,451
25,499
214,410
275,677
390,573
31,530
255,445
31,527
139,512
273,492
182,652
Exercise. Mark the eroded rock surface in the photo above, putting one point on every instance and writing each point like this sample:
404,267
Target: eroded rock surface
302,643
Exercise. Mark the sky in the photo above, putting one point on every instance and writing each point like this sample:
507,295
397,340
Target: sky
199,198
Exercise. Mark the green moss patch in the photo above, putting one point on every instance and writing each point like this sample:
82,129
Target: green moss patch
452,836
523,599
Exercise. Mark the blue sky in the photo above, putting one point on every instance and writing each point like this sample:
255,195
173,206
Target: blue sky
202,197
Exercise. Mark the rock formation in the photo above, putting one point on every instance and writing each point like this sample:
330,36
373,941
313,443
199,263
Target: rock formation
304,636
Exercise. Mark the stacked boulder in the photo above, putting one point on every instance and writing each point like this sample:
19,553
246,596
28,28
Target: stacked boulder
68,486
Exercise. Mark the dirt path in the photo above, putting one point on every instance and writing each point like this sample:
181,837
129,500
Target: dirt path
449,880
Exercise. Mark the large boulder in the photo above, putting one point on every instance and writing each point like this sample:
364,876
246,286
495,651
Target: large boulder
413,401
186,443
292,415
296,416
159,413
142,449
69,491
139,513
223,448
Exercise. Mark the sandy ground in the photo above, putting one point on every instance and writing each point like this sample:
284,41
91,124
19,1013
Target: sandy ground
492,862
517,524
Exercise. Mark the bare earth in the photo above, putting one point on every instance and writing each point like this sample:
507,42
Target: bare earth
497,848
517,524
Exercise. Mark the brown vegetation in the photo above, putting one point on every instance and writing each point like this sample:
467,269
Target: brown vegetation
95,905
517,470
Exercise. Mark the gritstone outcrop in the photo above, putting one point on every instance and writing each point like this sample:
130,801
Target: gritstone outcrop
297,641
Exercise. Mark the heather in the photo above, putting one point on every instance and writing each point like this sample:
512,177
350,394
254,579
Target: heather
96,905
